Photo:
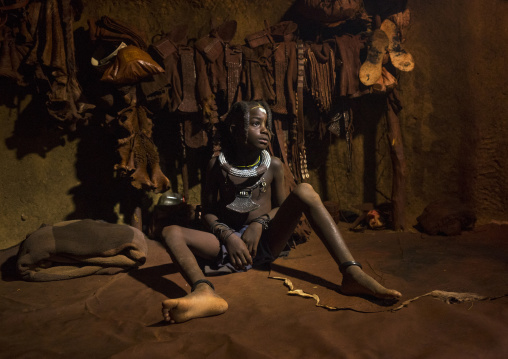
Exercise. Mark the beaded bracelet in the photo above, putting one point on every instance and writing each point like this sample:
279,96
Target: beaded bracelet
226,236
265,222
215,224
223,232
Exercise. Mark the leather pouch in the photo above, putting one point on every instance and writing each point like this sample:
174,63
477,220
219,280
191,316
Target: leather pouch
169,43
163,47
131,65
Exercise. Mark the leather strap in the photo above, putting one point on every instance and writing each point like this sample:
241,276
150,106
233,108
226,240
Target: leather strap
234,69
300,128
189,103
281,66
281,139
300,80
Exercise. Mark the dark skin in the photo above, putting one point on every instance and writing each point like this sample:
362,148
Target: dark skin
285,210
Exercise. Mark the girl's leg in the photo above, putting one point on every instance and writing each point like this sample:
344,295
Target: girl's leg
183,244
305,200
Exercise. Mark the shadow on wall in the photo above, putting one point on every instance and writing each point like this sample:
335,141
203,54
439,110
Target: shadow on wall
32,131
368,111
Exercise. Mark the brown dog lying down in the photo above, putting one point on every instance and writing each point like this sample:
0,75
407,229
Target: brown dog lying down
79,248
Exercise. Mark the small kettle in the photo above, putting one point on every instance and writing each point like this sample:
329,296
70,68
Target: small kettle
170,199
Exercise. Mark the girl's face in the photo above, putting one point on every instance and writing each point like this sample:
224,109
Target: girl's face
258,135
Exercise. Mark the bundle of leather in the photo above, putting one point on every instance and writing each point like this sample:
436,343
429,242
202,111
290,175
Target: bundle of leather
53,57
108,29
138,153
39,36
79,248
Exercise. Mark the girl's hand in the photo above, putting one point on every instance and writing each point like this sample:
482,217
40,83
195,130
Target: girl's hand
251,237
238,252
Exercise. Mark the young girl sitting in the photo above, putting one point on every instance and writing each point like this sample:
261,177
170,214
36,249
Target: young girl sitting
251,218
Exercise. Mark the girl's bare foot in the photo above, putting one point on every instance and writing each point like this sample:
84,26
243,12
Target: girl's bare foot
203,302
357,282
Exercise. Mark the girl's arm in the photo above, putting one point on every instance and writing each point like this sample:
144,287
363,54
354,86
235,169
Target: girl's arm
238,253
278,186
253,233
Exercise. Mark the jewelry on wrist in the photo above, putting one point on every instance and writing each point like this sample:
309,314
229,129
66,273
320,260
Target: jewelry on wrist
264,220
213,226
226,236
221,231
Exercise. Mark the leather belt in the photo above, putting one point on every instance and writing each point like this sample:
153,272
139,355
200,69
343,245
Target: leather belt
188,103
281,66
234,69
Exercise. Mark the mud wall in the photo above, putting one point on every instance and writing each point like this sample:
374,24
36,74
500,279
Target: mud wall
454,121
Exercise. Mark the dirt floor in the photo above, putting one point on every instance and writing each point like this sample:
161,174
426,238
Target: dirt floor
118,316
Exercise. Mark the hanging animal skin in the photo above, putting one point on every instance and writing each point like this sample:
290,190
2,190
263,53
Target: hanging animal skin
138,153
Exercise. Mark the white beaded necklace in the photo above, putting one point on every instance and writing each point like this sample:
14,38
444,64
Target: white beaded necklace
248,172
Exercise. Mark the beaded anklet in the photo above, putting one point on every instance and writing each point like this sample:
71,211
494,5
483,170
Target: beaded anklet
199,281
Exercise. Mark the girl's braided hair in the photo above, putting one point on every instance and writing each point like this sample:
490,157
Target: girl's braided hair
241,110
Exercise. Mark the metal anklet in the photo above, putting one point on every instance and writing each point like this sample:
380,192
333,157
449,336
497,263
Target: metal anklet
201,281
346,265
